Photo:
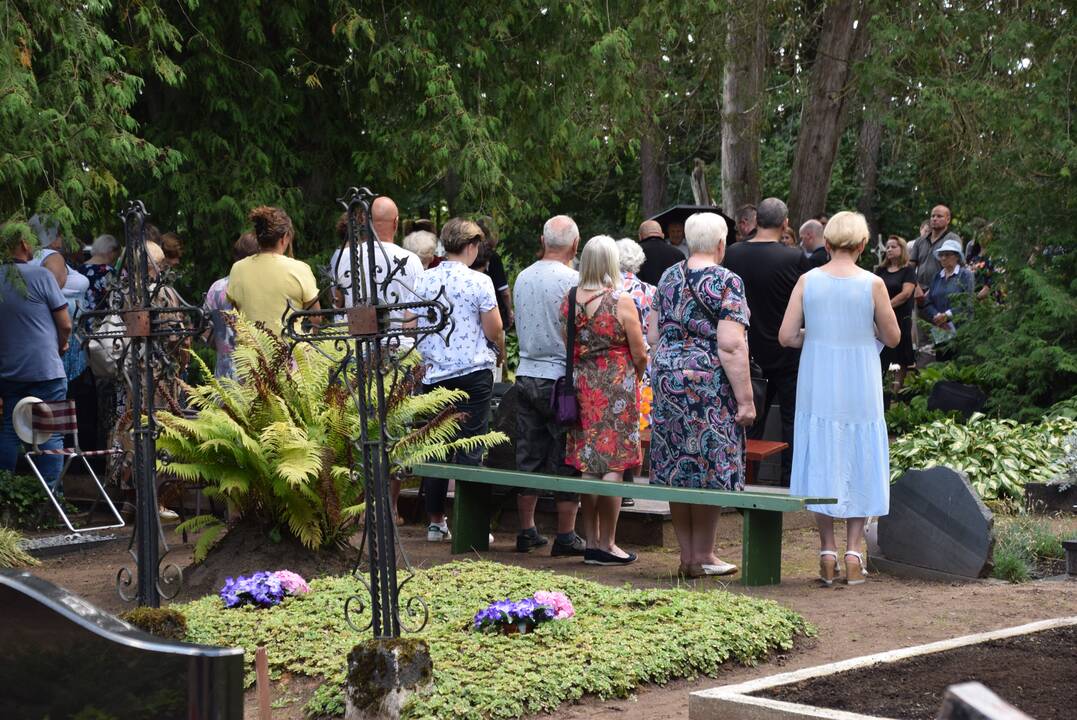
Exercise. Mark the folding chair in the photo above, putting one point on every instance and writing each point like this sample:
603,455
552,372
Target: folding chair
49,418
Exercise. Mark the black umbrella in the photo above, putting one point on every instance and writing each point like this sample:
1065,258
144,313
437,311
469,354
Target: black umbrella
680,213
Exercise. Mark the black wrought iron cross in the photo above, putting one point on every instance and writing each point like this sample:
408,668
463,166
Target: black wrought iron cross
142,325
372,331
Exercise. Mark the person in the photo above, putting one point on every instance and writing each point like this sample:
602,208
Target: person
172,246
811,239
675,233
424,244
35,327
389,257
216,305
99,268
468,362
789,238
770,272
263,285
953,281
746,222
609,356
983,266
835,314
540,440
658,254
900,280
74,286
702,388
495,268
923,257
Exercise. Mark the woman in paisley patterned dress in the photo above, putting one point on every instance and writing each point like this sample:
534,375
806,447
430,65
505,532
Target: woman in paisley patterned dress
609,356
702,388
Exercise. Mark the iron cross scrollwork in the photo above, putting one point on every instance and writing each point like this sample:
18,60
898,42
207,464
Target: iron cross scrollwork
373,343
142,324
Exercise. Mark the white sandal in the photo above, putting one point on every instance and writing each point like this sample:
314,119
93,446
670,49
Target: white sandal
857,578
828,569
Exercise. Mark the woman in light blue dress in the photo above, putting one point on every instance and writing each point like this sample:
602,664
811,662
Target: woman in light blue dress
838,313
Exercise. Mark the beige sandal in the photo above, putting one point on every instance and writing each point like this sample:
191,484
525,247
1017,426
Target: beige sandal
828,566
854,575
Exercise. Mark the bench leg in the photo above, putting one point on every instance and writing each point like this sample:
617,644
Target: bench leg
761,556
471,517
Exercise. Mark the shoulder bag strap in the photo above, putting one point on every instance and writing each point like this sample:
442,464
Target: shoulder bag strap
570,334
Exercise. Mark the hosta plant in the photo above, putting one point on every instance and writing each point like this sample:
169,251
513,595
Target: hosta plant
999,456
277,443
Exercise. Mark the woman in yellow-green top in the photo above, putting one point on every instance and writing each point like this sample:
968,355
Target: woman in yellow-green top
261,286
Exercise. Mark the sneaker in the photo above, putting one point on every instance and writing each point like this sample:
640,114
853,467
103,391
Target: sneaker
576,547
526,542
601,557
628,502
166,514
437,533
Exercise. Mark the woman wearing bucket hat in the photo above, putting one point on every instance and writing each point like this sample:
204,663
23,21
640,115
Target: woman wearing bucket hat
952,282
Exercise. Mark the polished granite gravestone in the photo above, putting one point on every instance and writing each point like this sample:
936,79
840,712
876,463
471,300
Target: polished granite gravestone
61,657
938,524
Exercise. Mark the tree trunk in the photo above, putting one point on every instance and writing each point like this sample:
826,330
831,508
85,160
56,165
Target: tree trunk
742,104
652,168
822,116
867,157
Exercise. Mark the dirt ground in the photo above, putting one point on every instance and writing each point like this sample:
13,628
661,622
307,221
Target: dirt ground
884,614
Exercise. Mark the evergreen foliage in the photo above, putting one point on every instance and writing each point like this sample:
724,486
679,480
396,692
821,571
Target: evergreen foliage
277,443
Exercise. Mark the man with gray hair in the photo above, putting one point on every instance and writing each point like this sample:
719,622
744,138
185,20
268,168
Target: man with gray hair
770,271
811,239
746,223
540,440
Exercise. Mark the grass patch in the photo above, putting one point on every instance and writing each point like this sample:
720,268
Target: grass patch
619,639
11,553
1027,546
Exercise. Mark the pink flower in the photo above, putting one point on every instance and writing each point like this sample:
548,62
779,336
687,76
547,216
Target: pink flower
560,603
293,584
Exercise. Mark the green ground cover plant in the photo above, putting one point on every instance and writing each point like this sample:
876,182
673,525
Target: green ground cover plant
1028,546
999,456
619,639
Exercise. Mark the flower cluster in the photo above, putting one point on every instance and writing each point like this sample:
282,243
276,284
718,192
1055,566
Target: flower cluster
262,589
532,611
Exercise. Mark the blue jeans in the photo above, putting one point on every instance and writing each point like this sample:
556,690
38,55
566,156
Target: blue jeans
12,391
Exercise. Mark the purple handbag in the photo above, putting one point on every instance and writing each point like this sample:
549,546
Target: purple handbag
563,402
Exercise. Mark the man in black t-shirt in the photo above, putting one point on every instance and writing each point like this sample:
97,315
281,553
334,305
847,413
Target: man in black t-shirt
770,270
495,268
660,255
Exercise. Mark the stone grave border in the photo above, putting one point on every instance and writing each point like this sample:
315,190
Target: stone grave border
733,702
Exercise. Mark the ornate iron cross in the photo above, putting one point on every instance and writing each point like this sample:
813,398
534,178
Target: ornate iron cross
374,337
143,325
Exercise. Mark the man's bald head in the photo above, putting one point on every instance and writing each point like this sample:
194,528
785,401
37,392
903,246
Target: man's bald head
650,229
811,235
385,216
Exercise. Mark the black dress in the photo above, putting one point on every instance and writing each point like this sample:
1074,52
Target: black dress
903,354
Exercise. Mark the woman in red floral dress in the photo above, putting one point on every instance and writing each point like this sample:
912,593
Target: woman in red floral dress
609,358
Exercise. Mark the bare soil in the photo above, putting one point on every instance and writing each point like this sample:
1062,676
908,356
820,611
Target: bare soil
884,614
1035,673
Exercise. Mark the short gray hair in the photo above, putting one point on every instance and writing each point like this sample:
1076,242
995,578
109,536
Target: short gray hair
632,256
813,227
600,264
771,213
560,232
421,242
705,232
105,244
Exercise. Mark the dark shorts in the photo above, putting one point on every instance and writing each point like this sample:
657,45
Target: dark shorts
540,440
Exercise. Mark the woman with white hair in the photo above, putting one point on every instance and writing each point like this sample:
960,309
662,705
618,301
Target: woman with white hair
608,357
702,388
99,268
840,447
424,244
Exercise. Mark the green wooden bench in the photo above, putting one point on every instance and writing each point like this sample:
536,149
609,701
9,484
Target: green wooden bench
761,557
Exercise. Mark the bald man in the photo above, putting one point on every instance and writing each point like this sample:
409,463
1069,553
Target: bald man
923,257
811,239
659,254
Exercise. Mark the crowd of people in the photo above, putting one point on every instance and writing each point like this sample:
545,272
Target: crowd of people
688,311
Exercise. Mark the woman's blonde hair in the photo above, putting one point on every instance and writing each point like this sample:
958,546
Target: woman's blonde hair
846,230
903,259
600,263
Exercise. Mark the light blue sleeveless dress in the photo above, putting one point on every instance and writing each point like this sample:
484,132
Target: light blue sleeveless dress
840,448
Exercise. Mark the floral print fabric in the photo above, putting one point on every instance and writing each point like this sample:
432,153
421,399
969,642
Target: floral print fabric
695,441
607,438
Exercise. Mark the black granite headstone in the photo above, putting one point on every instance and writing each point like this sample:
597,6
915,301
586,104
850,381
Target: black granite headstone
503,456
938,522
61,657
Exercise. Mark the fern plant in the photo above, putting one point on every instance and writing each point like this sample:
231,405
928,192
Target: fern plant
277,443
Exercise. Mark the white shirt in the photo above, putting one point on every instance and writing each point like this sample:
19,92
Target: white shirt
399,289
471,294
